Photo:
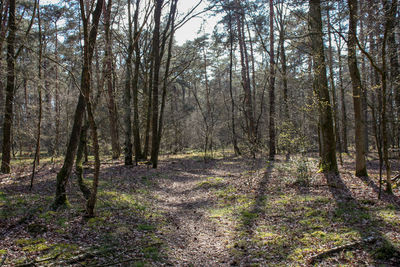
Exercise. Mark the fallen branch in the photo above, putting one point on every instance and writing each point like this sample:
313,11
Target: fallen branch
35,261
334,250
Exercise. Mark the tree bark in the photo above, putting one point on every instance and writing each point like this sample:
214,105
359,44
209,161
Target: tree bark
361,167
8,111
112,108
36,158
234,137
136,123
89,44
248,104
156,79
333,91
127,95
328,161
272,149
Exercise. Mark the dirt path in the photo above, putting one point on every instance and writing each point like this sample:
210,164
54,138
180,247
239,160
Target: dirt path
192,236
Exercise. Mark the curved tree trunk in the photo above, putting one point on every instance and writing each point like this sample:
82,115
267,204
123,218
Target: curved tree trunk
65,172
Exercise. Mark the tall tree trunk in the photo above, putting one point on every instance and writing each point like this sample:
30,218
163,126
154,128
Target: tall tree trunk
155,146
136,123
127,95
343,112
8,111
272,149
328,153
36,157
89,44
333,90
390,13
149,109
248,103
3,31
283,66
364,97
394,69
167,66
361,167
234,137
112,108
57,97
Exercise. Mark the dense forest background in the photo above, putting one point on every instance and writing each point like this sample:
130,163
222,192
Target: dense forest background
84,84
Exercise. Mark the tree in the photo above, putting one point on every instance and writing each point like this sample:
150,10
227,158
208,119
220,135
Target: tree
88,49
112,108
272,149
328,161
361,167
10,87
156,79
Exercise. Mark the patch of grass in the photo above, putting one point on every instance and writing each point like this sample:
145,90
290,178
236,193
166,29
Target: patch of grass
316,222
34,246
248,217
30,241
389,216
322,238
210,182
122,200
299,255
221,212
151,252
227,194
146,227
349,212
95,222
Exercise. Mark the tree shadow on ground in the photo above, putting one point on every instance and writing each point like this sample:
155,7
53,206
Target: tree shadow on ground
124,229
355,217
248,220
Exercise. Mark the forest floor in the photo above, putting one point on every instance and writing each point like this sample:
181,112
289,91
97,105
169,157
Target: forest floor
228,211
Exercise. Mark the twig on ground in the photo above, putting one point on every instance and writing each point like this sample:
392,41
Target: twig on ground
334,250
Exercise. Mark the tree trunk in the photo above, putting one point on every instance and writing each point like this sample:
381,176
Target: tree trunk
167,66
328,153
394,70
272,149
8,111
127,95
36,157
234,137
136,123
333,91
112,108
79,161
89,44
248,106
155,146
361,167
